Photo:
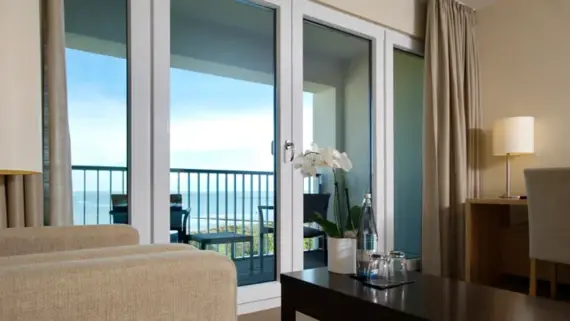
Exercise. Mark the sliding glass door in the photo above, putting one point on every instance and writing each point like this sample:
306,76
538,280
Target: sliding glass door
404,101
97,82
222,127
218,98
108,87
221,119
337,77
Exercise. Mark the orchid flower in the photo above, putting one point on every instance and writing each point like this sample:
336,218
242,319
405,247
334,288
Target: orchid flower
315,157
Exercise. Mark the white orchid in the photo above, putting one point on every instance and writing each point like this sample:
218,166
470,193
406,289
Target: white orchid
308,163
316,157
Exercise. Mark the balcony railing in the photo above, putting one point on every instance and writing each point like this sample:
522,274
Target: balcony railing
218,200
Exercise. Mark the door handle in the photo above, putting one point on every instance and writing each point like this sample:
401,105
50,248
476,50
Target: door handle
290,146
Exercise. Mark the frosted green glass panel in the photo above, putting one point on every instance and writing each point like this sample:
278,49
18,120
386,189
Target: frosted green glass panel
408,125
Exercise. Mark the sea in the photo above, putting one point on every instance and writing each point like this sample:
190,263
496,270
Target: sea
207,210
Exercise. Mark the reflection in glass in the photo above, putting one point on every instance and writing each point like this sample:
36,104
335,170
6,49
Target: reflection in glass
96,64
337,75
222,128
408,124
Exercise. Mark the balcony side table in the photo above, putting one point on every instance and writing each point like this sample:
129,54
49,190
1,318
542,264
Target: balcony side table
232,238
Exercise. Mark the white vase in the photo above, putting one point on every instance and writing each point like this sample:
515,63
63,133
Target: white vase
342,255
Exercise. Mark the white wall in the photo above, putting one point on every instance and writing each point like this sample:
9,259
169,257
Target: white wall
524,52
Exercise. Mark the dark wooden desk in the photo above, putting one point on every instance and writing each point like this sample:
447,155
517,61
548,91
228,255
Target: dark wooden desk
497,243
330,297
486,222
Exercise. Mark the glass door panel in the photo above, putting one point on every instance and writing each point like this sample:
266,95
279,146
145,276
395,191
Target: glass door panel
96,64
222,132
408,124
336,114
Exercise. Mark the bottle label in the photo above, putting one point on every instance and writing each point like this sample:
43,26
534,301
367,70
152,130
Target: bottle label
370,242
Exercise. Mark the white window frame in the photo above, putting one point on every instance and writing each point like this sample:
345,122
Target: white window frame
394,40
305,9
160,126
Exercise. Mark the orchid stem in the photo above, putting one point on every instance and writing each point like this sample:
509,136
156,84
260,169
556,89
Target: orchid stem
349,217
337,207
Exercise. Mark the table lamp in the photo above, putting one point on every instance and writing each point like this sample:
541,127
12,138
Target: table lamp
513,136
20,89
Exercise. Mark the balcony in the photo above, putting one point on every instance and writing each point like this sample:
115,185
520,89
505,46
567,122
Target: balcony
218,201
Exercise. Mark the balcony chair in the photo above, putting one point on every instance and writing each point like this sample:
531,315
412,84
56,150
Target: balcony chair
312,203
178,216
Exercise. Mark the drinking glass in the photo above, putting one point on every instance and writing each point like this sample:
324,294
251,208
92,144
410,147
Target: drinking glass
382,262
397,266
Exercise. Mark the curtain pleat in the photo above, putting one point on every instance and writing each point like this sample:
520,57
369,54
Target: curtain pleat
21,200
452,119
60,193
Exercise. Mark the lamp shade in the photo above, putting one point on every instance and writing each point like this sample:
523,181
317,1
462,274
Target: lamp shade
513,136
20,88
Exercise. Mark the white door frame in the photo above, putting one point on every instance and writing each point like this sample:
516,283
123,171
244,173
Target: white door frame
252,297
139,117
394,40
305,9
160,127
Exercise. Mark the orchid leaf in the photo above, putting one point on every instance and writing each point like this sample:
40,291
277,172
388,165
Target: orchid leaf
353,221
330,228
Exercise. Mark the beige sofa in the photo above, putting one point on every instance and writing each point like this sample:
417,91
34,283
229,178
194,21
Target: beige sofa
100,273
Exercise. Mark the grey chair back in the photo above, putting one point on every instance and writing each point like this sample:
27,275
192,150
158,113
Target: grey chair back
548,192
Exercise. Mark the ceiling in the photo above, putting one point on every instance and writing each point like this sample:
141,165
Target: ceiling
249,19
216,36
216,19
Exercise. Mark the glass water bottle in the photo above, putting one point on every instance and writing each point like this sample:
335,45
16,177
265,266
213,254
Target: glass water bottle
367,241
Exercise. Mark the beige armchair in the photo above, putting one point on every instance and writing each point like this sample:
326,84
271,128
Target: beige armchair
99,273
30,240
548,192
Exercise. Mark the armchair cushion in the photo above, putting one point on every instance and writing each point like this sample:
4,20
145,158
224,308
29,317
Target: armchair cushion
172,285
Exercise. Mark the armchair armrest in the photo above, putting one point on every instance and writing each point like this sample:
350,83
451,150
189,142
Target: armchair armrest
173,285
30,240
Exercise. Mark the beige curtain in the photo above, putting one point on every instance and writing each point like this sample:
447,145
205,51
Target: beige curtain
22,197
451,134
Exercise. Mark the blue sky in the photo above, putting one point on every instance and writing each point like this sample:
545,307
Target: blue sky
215,123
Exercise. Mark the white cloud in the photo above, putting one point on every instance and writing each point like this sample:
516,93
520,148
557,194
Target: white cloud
253,132
98,129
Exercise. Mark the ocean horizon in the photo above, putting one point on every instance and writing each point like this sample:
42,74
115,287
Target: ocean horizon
206,209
